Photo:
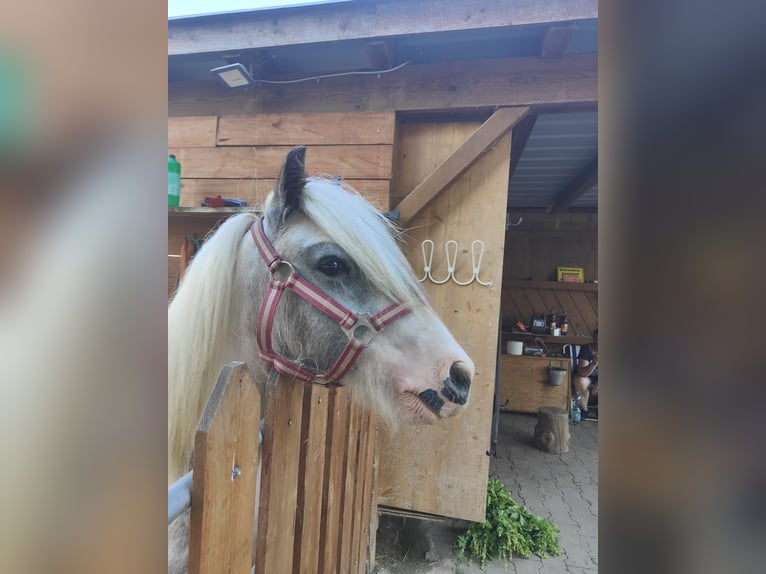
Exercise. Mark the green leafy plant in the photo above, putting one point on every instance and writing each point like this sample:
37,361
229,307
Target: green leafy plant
508,527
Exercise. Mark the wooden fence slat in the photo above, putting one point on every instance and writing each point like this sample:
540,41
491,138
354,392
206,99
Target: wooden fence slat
315,411
348,161
279,476
334,483
347,508
364,495
307,129
226,442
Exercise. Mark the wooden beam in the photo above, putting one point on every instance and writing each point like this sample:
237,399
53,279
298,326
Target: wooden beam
450,169
519,141
582,182
556,41
360,20
570,81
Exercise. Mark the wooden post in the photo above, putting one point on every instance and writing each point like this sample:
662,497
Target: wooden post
552,430
225,467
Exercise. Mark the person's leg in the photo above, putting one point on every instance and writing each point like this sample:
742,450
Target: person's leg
582,385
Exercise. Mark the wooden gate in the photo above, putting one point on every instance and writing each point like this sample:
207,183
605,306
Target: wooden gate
317,483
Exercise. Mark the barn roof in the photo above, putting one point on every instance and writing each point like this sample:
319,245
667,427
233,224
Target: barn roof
555,169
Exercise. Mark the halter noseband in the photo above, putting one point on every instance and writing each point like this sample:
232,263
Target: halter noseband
360,329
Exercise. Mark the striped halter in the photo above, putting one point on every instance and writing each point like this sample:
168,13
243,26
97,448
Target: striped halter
360,329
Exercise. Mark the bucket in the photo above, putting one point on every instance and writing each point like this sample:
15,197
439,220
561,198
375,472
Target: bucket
556,375
515,347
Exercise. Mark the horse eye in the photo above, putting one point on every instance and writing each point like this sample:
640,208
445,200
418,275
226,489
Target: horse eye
331,266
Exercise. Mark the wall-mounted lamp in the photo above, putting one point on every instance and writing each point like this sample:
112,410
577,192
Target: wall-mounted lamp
233,76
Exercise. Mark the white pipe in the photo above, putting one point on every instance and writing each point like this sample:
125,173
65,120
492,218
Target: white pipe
179,496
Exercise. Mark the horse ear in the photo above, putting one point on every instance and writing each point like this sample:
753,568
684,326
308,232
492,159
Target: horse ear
287,195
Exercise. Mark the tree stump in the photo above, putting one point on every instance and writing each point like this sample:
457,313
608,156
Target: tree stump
552,430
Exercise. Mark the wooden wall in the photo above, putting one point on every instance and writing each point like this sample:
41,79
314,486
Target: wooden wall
541,243
521,299
240,156
442,469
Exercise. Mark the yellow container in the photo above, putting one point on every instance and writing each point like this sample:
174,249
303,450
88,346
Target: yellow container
571,274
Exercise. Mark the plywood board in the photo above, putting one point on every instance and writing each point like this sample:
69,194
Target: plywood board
524,386
443,469
307,129
192,131
347,161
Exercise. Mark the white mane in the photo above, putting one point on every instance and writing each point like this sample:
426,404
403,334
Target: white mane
199,333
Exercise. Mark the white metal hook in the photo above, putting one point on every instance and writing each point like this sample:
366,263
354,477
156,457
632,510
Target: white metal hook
455,279
477,262
429,260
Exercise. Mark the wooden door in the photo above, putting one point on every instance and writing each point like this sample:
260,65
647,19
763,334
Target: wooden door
443,469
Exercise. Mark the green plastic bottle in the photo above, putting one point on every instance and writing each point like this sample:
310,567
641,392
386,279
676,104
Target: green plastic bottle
174,181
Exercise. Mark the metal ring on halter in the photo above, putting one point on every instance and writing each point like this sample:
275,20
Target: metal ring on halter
362,331
280,266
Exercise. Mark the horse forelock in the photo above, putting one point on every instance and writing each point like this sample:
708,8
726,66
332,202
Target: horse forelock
366,235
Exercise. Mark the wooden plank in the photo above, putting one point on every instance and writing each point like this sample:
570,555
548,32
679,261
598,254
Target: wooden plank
456,164
418,153
524,385
360,20
559,285
373,520
192,131
348,161
414,473
380,53
254,191
349,491
226,442
454,86
291,129
521,133
359,528
332,499
556,40
309,517
581,183
368,508
279,476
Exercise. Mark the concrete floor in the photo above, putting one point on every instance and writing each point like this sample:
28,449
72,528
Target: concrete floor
563,488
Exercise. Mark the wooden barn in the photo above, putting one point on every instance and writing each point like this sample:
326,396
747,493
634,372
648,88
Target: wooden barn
475,123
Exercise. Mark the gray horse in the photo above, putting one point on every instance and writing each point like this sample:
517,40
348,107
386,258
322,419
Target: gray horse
316,289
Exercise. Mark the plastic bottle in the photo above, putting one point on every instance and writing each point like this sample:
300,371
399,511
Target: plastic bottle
174,181
575,415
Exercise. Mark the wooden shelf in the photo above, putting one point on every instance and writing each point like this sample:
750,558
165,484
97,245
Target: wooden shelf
207,211
562,285
561,339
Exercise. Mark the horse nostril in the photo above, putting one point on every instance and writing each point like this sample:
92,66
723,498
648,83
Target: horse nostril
460,376
457,384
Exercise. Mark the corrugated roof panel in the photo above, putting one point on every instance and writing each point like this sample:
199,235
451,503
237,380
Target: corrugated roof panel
558,149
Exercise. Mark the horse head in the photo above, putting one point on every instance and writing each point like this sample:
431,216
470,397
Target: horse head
344,255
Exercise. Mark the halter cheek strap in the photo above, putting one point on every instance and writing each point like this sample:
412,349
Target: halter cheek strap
360,329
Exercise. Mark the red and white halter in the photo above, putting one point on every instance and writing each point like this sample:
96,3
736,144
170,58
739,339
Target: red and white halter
360,329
